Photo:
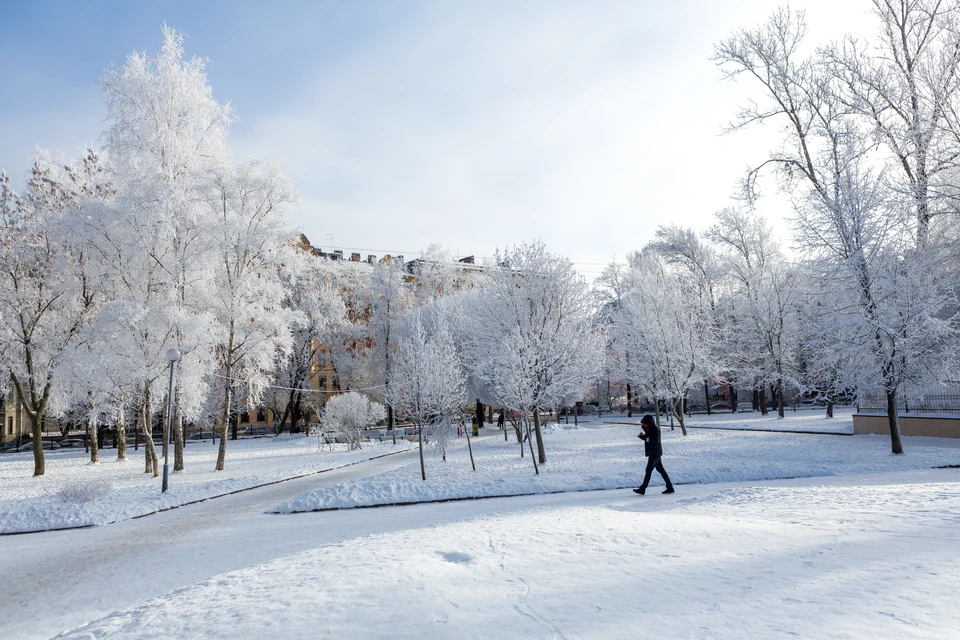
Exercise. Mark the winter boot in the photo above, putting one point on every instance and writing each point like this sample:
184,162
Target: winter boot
640,490
669,489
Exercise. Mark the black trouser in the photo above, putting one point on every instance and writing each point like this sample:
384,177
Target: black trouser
653,462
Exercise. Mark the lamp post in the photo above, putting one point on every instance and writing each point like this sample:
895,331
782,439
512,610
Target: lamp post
172,355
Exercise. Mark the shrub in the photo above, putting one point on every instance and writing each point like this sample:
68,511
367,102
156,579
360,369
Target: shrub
90,491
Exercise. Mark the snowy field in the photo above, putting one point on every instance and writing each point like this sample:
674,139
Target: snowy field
31,504
856,543
852,557
607,455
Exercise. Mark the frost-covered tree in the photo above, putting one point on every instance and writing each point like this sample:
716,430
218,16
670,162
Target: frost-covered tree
349,413
311,293
166,144
761,304
904,84
672,343
253,245
852,225
688,254
388,297
427,380
46,297
533,332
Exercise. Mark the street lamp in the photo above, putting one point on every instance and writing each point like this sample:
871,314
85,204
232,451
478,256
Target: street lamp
172,355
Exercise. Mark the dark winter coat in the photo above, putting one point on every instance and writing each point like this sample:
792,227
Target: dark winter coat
651,441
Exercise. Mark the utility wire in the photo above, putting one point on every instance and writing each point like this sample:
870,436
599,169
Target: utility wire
277,386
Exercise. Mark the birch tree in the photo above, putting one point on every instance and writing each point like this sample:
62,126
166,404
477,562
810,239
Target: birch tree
427,381
253,244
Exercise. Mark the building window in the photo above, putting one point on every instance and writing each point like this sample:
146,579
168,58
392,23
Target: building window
261,415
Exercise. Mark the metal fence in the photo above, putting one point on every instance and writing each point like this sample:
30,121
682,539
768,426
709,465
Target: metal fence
948,402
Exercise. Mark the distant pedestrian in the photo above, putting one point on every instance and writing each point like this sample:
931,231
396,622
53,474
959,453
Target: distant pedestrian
653,449
501,421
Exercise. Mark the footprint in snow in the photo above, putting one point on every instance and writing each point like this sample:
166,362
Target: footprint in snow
456,557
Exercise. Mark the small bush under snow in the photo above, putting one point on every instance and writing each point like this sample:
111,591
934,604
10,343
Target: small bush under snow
85,491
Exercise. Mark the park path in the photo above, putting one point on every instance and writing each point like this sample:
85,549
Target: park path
55,581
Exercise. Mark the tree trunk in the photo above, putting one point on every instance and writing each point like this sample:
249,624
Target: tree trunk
530,441
536,428
151,465
36,429
830,406
94,439
734,400
629,402
423,469
122,430
780,408
706,397
177,433
762,400
479,414
34,411
228,399
164,420
286,414
683,426
893,417
391,425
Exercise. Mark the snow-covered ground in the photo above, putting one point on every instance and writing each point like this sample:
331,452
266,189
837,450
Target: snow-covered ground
29,503
859,543
604,454
851,557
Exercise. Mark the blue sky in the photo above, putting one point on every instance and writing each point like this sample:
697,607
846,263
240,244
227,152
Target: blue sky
471,124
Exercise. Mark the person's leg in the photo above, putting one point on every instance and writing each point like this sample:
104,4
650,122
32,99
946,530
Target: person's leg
663,474
651,463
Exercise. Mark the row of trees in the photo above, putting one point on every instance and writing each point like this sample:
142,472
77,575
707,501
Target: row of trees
160,240
868,147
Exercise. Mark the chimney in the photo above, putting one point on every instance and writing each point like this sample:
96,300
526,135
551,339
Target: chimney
354,257
338,254
371,259
399,258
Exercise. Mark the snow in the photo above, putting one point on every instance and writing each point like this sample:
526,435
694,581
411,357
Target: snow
30,503
862,543
604,455
850,560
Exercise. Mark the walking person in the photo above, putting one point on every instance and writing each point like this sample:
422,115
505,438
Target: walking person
653,449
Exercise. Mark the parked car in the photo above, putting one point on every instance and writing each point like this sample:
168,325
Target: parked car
71,443
11,447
